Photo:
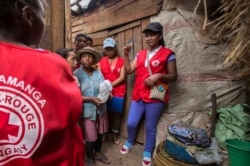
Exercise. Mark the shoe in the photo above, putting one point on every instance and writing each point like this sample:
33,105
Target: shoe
146,161
116,139
125,148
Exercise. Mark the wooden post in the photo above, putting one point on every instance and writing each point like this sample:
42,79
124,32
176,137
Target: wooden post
54,36
68,27
214,112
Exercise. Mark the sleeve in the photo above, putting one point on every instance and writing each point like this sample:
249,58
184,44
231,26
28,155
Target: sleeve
171,57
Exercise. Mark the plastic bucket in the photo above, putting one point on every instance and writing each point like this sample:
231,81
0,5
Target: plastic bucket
238,152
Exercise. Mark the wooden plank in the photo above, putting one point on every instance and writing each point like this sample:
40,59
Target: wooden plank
45,42
57,22
98,41
123,28
118,14
99,34
68,28
144,24
102,9
137,41
94,36
120,42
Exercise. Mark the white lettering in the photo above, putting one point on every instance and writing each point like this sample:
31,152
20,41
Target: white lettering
20,85
27,88
12,150
11,81
18,105
2,79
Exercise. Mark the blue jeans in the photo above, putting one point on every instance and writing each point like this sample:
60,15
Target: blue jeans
152,113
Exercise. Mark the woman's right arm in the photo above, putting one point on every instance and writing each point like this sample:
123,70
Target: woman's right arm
129,66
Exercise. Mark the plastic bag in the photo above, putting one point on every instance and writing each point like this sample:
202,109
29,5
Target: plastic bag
209,155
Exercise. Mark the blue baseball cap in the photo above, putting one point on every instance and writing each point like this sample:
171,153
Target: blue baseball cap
109,42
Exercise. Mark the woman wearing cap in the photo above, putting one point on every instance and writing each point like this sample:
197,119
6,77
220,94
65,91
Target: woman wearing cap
112,68
162,62
93,123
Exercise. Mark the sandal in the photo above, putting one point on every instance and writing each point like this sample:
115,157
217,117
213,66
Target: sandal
118,143
102,158
89,162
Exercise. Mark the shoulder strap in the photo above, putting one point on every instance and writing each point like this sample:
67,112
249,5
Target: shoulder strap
149,69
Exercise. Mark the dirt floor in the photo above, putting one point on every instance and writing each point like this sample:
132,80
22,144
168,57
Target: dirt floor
112,151
133,158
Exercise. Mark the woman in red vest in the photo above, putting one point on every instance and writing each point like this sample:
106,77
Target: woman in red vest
153,65
112,68
40,103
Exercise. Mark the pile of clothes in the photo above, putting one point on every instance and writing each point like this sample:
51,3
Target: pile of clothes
191,145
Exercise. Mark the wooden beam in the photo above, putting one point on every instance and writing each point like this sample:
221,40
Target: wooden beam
119,14
97,37
68,26
46,41
144,24
57,22
78,20
123,28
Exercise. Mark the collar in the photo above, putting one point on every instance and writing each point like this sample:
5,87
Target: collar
155,50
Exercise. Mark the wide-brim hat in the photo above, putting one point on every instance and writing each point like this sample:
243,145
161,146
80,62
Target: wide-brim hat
154,26
90,50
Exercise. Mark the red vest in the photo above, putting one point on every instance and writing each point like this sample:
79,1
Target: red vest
112,75
157,64
40,105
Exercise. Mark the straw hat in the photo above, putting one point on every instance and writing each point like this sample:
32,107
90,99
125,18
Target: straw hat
90,50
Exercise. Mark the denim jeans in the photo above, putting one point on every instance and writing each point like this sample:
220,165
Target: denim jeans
152,113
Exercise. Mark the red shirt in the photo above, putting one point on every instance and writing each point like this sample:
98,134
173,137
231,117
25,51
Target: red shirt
40,105
157,64
113,74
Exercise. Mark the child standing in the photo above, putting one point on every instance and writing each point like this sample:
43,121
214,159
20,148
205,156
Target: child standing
94,121
112,68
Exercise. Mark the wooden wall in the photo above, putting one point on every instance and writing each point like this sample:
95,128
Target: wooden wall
57,12
123,21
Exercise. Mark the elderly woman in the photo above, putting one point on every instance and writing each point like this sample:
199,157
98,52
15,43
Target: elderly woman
94,116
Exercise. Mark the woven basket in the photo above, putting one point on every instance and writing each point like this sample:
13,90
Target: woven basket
163,159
